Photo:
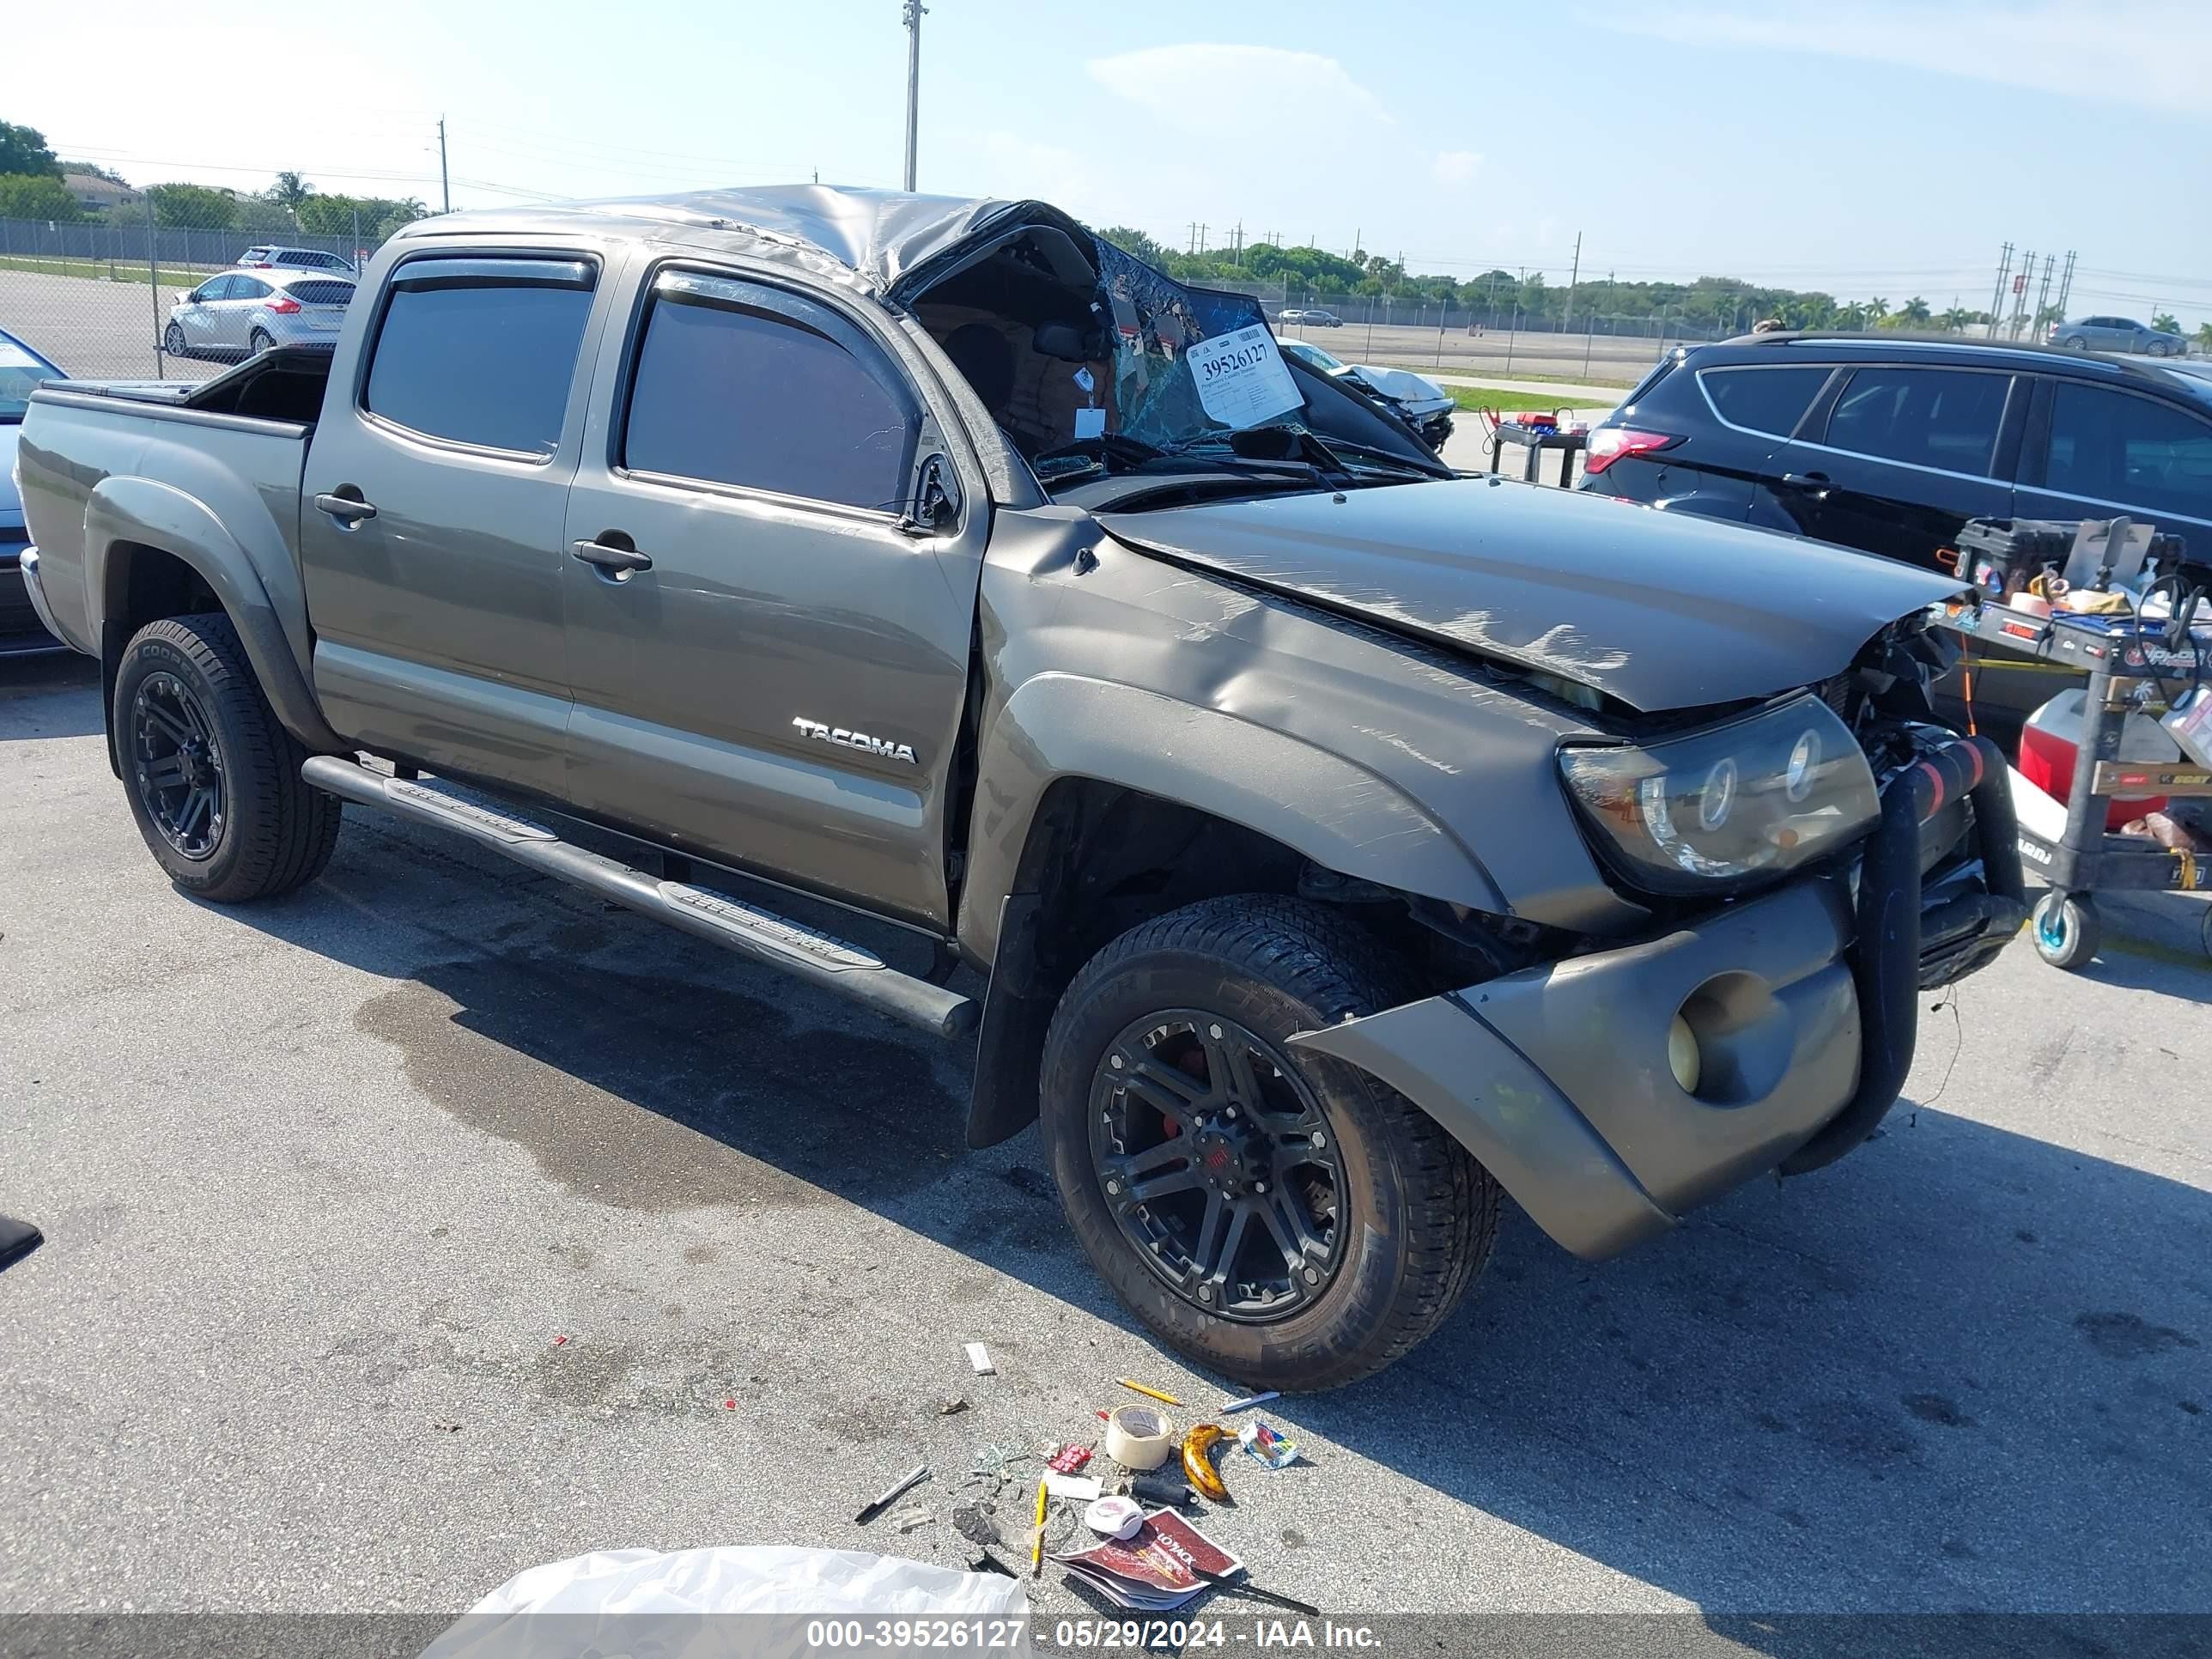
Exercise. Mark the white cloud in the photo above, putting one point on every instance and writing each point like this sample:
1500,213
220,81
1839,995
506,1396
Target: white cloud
1454,167
2149,52
1215,90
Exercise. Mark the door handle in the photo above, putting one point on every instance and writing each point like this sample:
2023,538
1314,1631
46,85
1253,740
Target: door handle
620,560
1816,482
346,509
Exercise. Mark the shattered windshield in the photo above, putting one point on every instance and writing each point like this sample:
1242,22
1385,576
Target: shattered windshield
1188,362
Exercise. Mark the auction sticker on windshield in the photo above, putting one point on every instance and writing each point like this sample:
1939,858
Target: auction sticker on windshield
1240,377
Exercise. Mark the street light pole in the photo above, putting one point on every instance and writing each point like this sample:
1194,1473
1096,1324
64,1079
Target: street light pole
914,11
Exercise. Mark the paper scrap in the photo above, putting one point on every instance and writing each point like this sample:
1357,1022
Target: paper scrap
1090,424
980,1358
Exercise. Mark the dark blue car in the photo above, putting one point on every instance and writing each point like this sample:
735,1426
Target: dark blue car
21,369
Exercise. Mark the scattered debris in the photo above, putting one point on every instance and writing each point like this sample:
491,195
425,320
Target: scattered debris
1157,1569
1165,1489
1251,1401
979,1359
987,1562
1139,1438
1198,1463
973,1522
730,1404
954,1406
1082,1488
1275,1450
1115,1516
444,1427
560,1341
912,1518
1066,1460
1154,1394
920,1474
1036,1544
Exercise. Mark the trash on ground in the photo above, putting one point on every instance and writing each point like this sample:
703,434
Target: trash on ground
953,1406
920,1474
1115,1516
913,1517
979,1358
1167,1489
1151,1572
17,1238
986,1562
647,1601
1229,1586
973,1522
1197,1460
1066,1460
1139,1438
1277,1450
1251,1401
1078,1488
1036,1544
1164,1399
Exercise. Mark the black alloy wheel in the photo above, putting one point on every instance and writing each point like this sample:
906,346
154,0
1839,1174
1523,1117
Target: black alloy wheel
1218,1165
179,765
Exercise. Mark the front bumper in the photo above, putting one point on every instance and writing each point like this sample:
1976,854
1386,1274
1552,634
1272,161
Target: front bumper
1557,1080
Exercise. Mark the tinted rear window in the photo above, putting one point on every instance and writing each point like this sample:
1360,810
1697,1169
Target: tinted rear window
2130,452
1939,417
741,385
321,293
1770,400
485,362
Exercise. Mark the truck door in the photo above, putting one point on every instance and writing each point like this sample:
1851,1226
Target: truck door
1900,459
430,527
768,661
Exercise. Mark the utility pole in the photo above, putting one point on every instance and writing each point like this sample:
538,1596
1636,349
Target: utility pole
913,12
2066,285
2020,294
1573,277
2043,294
445,186
1202,229
1996,300
1191,247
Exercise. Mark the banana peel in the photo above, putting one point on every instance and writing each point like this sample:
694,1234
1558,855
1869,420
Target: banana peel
1198,1463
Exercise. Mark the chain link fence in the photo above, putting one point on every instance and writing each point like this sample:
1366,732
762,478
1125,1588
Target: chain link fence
95,297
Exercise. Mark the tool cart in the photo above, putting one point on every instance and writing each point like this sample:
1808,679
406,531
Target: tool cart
2131,666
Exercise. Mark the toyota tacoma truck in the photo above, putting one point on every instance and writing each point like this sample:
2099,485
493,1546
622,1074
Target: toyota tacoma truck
1337,845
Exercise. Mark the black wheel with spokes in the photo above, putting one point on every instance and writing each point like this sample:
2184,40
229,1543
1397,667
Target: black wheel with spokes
213,779
173,343
1278,1216
1218,1165
178,763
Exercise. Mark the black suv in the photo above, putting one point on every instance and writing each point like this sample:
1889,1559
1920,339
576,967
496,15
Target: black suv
1889,445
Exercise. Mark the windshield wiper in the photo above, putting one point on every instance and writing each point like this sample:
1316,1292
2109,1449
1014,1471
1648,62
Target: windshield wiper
1101,452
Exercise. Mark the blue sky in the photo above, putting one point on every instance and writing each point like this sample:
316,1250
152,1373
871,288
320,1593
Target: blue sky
1863,146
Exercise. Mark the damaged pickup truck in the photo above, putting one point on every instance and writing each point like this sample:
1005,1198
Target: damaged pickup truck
1337,845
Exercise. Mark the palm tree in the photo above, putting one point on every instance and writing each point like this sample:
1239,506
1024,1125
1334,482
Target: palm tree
1954,320
1876,310
1915,311
2166,323
2204,336
289,191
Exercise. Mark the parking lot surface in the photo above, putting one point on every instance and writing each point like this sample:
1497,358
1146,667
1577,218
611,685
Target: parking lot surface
437,1221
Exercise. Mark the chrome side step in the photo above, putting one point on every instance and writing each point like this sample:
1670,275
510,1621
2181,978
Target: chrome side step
766,939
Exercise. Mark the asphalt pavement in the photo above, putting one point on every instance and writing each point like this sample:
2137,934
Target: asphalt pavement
438,1220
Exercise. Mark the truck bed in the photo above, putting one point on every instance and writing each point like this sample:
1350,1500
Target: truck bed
107,466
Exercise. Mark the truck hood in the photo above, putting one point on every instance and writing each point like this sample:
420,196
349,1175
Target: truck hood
1400,384
1660,611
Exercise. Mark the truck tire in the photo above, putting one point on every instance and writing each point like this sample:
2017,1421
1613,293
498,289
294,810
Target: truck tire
213,780
1322,1226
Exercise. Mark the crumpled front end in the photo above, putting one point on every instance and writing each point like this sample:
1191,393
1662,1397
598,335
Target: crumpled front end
1571,1082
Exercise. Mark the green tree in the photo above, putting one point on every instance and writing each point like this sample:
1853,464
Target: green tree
1913,313
1954,320
289,190
375,217
37,196
23,150
2204,336
1135,243
2166,323
193,206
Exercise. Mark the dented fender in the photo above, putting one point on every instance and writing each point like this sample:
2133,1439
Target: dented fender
1058,725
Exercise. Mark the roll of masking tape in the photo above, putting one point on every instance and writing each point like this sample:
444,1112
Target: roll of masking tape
1139,1438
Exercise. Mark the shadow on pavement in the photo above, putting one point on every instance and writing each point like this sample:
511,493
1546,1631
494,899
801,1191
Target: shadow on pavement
1965,1369
53,694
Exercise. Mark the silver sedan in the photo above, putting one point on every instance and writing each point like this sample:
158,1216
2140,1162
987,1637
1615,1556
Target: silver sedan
236,314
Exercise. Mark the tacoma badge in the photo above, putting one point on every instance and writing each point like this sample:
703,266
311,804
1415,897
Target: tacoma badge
859,740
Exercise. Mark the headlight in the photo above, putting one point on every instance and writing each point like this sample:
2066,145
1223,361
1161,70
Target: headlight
1728,807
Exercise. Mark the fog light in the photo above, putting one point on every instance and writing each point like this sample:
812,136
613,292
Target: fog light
1682,1058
